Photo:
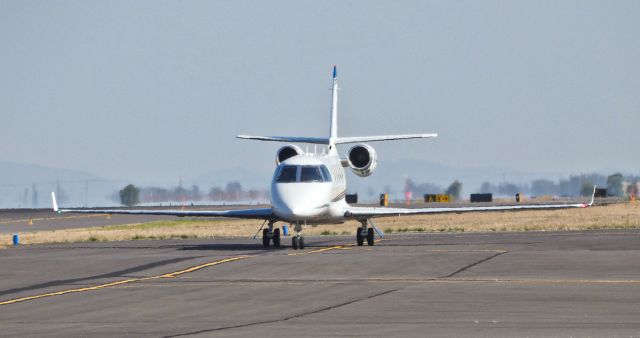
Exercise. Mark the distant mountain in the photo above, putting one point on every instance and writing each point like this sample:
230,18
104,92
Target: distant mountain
23,173
81,188
28,185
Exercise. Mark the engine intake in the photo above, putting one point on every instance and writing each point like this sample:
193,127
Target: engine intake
362,159
287,152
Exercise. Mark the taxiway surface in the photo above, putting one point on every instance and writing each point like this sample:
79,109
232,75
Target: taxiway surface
414,285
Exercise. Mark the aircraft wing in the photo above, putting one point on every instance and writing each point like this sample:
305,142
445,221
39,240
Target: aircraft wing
372,212
260,213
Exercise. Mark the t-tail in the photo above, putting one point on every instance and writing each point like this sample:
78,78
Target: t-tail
333,138
333,130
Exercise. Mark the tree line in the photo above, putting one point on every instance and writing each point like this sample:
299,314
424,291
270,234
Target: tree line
231,192
454,190
575,185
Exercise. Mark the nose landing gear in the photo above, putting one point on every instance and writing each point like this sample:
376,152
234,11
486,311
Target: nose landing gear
297,242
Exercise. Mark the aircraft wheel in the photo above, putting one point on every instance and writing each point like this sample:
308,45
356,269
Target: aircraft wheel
276,237
265,238
359,237
370,236
301,243
294,242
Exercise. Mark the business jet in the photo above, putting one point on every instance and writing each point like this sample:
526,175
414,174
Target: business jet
309,188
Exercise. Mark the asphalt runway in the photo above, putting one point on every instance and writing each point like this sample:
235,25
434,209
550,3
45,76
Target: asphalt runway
533,284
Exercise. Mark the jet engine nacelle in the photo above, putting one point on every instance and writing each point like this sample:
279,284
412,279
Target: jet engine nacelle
287,152
362,159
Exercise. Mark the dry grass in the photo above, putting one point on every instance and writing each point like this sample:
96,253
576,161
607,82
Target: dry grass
613,216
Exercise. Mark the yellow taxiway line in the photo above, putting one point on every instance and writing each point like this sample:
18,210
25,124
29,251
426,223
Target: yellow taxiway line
202,266
126,281
166,275
320,250
538,281
335,247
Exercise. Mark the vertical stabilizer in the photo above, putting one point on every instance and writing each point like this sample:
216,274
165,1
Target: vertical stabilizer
334,109
333,138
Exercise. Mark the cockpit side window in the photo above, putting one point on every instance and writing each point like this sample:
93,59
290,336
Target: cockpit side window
325,173
311,173
287,174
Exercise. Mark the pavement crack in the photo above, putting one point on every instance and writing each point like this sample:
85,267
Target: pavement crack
299,315
467,267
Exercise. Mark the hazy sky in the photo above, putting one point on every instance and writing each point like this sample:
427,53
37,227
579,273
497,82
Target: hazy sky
154,90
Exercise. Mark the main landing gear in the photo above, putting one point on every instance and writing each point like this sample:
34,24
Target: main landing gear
297,242
364,232
269,235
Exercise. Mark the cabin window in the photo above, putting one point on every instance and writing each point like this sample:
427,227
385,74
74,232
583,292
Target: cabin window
287,174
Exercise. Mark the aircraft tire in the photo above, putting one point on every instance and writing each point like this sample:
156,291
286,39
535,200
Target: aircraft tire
276,238
359,237
301,243
294,243
370,241
265,238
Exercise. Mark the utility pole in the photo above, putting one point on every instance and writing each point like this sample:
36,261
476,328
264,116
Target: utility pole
34,196
86,193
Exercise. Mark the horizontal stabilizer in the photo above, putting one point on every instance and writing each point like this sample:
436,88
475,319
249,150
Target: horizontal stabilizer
312,140
338,140
357,139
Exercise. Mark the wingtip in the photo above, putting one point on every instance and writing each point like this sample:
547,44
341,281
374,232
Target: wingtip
335,71
53,200
593,195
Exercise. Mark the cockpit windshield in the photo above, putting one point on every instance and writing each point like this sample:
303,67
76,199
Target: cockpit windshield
303,174
287,174
325,173
311,173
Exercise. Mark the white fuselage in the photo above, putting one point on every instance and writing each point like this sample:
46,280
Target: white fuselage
308,193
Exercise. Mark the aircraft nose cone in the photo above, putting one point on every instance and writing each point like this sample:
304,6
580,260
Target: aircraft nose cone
296,209
295,202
